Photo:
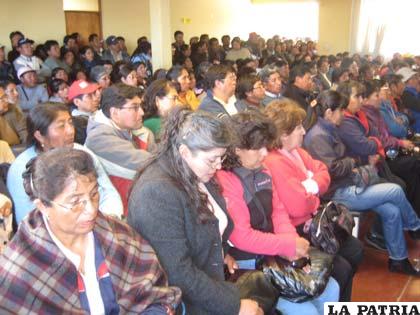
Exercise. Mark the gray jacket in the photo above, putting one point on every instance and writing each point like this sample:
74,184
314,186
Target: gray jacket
190,252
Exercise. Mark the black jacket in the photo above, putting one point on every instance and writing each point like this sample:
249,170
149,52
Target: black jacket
190,252
303,98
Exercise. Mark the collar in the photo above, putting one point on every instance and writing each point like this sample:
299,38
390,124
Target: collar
412,90
272,94
220,101
73,257
325,124
244,172
76,112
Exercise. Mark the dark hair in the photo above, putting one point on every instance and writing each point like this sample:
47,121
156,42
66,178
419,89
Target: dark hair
159,74
173,74
120,38
346,88
142,48
393,79
217,73
84,49
92,37
253,131
246,85
12,34
337,74
158,88
116,96
55,84
47,175
56,70
120,71
199,131
40,118
298,71
330,99
371,87
48,44
178,33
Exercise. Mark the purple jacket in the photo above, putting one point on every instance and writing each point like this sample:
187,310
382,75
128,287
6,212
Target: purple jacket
377,123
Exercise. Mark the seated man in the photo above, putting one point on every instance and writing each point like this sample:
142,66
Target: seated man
109,136
411,97
85,104
30,92
272,84
299,90
114,52
396,121
250,93
322,81
52,48
6,69
221,80
27,58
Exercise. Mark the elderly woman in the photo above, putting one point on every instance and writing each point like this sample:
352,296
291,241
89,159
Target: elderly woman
100,75
50,126
176,206
261,223
67,257
386,199
299,180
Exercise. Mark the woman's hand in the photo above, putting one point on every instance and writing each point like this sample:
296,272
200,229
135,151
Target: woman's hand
302,248
231,264
407,144
250,307
373,159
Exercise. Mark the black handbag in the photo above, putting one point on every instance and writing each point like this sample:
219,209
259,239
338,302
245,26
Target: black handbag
330,227
292,281
365,176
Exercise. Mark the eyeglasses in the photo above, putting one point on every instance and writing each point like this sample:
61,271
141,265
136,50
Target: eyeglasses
258,87
134,108
218,161
79,205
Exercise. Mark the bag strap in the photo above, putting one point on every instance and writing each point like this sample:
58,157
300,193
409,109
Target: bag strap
257,202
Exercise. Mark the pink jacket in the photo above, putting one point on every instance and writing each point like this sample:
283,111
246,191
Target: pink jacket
244,237
287,178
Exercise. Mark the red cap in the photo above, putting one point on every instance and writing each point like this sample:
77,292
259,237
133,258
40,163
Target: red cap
81,87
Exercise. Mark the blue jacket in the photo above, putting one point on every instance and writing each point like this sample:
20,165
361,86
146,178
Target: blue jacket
389,115
356,138
209,104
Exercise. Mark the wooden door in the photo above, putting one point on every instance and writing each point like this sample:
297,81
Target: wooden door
84,23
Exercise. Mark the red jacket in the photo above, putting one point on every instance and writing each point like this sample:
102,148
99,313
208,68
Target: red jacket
244,237
287,178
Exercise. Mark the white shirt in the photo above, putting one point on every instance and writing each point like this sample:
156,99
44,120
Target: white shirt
215,208
93,293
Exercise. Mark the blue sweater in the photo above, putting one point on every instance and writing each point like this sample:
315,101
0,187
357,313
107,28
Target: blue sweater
110,201
389,115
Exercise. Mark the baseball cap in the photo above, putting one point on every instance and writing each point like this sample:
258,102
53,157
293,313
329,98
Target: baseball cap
111,40
24,70
23,41
406,73
81,87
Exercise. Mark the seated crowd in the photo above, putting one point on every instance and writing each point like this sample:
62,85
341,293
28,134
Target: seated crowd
131,189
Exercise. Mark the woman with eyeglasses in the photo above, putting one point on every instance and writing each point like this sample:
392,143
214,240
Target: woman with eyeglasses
261,223
175,205
180,77
386,199
159,99
300,180
50,126
69,258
